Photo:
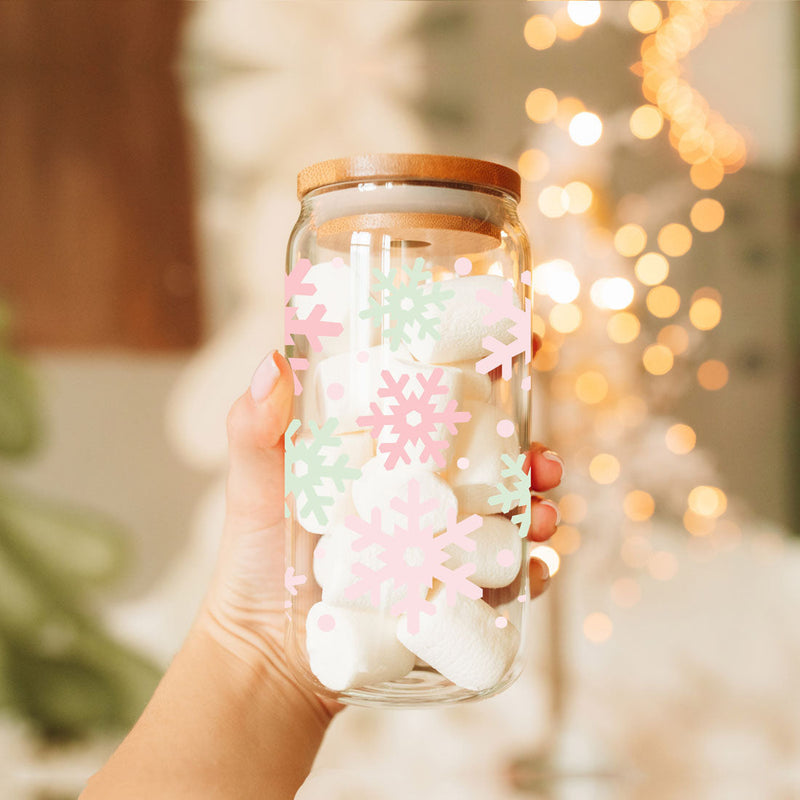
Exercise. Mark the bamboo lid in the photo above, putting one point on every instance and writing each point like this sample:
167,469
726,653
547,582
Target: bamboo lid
409,166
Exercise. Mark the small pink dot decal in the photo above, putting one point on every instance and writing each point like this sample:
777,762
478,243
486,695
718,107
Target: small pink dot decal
521,598
463,266
320,552
501,622
363,356
287,603
326,623
505,428
526,277
463,462
505,558
337,262
526,383
335,391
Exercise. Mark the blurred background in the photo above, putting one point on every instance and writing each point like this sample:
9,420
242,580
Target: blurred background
148,155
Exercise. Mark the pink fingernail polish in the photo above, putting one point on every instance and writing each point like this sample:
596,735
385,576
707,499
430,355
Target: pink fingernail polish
551,455
264,378
555,508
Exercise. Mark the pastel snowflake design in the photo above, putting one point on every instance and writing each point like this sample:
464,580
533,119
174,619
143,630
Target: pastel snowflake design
292,581
413,418
413,556
313,326
517,497
409,301
309,463
502,307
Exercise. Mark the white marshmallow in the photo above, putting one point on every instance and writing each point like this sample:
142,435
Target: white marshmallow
358,447
348,648
479,442
463,641
461,326
377,487
497,552
331,280
324,559
475,385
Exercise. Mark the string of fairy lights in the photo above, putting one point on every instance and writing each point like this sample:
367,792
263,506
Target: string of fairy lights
712,149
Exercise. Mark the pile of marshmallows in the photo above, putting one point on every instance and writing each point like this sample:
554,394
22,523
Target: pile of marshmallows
350,642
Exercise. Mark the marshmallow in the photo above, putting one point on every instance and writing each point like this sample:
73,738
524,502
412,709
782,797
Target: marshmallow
358,448
475,385
478,441
348,648
377,487
497,552
463,641
461,328
331,280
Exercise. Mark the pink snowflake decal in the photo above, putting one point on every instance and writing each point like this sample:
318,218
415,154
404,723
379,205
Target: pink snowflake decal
413,556
502,307
313,326
413,418
290,580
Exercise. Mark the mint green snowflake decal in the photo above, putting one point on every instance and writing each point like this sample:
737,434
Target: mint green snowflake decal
408,301
517,497
313,467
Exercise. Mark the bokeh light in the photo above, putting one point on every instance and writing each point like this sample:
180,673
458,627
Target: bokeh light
598,627
709,501
623,327
553,201
584,12
568,107
681,439
675,337
547,554
646,122
541,105
707,215
566,540
585,128
573,508
657,359
698,524
712,375
644,16
630,239
707,175
705,313
663,301
612,293
579,197
604,468
591,387
547,357
651,269
674,239
565,317
638,505
540,32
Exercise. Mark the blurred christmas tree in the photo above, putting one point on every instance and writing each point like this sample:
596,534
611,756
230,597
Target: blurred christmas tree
60,671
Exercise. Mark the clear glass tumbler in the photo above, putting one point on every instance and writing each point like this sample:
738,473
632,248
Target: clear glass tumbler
408,327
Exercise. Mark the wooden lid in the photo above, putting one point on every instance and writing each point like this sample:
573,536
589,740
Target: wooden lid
408,166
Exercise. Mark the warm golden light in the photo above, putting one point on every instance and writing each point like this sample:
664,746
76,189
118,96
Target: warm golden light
533,165
707,175
651,269
630,239
548,555
565,317
612,293
644,16
675,337
547,357
707,215
598,627
638,505
674,239
573,508
579,197
663,301
657,359
538,325
567,30
566,540
709,501
604,468
585,128
623,327
712,375
556,279
646,122
705,313
540,32
541,105
591,387
553,202
681,439
626,592
698,524
662,565
584,12
568,107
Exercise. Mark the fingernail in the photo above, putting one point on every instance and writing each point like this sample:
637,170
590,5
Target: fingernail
264,378
555,508
543,568
551,455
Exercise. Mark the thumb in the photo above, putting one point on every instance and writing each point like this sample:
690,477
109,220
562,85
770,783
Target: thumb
256,424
